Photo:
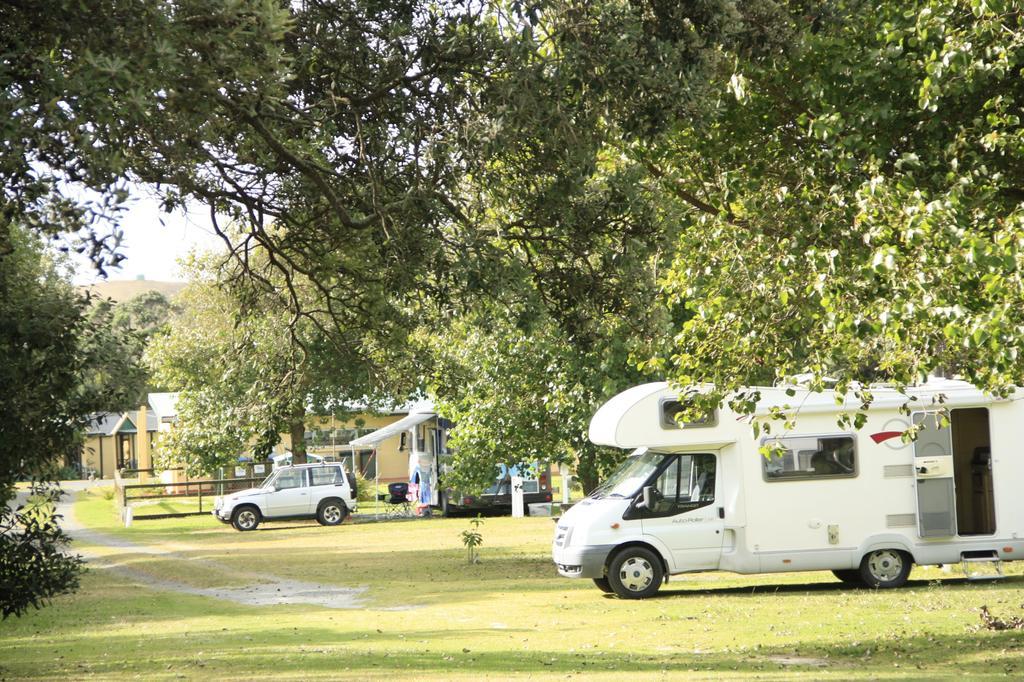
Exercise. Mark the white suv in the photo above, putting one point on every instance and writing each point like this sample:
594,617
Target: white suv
320,491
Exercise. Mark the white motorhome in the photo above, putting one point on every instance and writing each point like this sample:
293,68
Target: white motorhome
862,503
424,435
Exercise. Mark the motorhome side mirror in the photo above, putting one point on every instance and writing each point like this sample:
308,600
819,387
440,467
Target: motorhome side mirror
648,495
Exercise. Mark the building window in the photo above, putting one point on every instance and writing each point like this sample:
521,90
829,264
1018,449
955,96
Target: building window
367,464
805,457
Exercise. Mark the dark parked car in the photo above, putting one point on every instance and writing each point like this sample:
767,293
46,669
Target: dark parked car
497,498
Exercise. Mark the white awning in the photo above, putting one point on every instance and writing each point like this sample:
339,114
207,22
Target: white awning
391,430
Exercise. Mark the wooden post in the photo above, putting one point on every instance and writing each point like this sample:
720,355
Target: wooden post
142,445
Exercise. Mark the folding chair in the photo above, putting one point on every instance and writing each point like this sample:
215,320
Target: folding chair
396,501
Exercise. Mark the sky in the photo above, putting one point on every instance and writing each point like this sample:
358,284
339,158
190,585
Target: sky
152,250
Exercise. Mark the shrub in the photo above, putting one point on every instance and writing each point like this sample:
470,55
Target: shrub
472,539
367,488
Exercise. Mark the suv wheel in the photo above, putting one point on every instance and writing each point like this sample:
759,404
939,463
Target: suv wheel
331,513
246,518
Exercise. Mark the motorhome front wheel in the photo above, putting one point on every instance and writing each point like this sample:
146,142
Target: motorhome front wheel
635,573
885,568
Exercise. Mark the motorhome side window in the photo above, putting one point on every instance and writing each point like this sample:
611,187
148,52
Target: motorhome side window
804,457
670,409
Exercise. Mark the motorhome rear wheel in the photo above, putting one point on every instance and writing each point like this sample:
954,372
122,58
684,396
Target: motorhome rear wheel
635,573
885,568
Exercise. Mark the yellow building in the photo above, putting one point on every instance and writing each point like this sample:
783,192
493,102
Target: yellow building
113,441
330,437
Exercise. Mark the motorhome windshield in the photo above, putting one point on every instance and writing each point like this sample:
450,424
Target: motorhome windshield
269,482
628,478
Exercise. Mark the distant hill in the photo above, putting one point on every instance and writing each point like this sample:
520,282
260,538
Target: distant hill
127,289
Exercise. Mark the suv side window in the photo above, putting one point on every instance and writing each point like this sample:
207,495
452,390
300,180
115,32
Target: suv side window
327,475
295,478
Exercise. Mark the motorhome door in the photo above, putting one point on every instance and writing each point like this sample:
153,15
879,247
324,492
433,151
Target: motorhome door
933,473
683,514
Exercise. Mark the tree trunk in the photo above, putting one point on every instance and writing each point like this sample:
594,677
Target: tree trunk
586,472
297,427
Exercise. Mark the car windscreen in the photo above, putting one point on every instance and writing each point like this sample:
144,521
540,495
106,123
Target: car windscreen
627,479
529,474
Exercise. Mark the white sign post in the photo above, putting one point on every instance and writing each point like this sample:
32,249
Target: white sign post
563,469
517,497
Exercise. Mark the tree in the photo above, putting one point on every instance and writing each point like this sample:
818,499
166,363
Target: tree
62,362
566,232
144,316
375,138
558,310
336,124
855,203
843,179
521,390
148,313
248,369
90,100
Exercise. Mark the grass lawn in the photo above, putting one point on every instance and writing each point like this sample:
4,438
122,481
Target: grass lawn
179,504
428,613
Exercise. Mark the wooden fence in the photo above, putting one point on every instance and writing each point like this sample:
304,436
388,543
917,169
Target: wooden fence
183,493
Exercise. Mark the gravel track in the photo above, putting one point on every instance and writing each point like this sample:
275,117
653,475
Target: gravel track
257,589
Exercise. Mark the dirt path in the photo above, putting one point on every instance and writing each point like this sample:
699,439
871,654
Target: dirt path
259,590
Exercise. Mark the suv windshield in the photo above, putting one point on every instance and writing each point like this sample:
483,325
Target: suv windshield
285,478
268,482
628,478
